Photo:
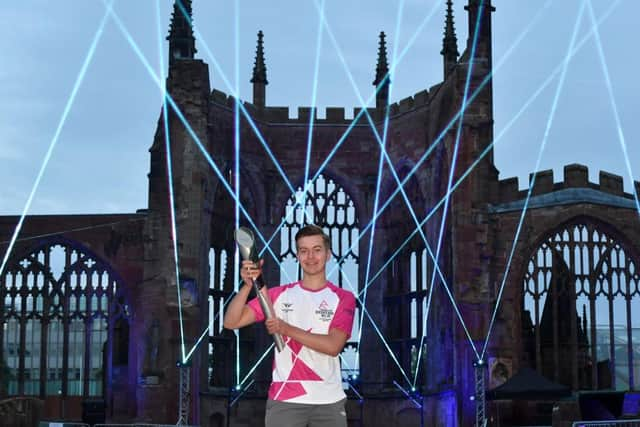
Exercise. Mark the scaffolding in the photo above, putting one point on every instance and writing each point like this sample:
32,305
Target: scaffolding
185,393
481,418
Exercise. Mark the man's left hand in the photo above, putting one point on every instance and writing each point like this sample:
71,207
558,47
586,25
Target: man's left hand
276,326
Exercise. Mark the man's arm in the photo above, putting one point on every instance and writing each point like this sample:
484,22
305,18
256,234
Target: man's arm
331,344
238,314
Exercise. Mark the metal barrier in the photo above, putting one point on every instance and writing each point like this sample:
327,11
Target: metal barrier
141,425
72,424
610,423
61,424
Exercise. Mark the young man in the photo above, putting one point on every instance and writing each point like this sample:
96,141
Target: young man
314,317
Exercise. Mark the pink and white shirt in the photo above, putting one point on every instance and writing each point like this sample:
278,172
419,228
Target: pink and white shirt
300,374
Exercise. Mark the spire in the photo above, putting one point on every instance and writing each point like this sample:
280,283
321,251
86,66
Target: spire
259,77
182,44
259,68
484,9
382,75
449,41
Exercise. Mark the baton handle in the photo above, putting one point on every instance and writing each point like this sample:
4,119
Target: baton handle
268,314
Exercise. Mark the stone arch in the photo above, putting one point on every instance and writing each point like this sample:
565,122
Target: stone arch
60,298
348,183
582,263
407,272
332,208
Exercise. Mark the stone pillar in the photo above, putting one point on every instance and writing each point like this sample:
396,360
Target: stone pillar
158,330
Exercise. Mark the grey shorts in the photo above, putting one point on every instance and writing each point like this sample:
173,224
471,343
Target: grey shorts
286,414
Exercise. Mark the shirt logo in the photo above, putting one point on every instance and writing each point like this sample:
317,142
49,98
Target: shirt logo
287,307
324,311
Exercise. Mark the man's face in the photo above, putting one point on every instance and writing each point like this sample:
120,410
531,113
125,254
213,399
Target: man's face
312,254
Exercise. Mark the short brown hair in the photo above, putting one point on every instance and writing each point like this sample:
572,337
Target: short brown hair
313,230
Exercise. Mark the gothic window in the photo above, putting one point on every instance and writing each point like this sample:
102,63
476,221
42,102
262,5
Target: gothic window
418,299
327,205
581,318
60,304
217,265
219,345
406,302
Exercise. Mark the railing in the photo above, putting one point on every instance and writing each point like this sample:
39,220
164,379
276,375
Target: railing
72,424
61,424
610,423
141,425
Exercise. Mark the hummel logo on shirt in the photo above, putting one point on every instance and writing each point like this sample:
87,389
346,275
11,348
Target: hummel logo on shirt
287,307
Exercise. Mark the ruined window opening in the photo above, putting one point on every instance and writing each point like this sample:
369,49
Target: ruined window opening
58,300
581,310
419,275
218,295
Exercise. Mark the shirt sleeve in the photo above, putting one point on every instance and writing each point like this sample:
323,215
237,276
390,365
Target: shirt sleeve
343,319
254,304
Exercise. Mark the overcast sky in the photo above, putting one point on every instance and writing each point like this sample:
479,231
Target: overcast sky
100,162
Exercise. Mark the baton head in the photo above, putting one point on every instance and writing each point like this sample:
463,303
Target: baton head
246,244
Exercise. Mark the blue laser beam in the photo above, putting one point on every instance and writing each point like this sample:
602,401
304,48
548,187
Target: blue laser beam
400,187
181,117
407,394
183,120
355,87
614,106
241,393
237,143
526,105
255,366
452,169
357,91
360,398
454,156
235,94
488,149
383,142
314,92
392,68
172,206
440,137
504,131
380,335
363,110
545,138
437,268
197,343
425,325
56,136
376,329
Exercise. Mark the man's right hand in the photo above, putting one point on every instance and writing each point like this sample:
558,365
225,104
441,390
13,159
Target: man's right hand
250,271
